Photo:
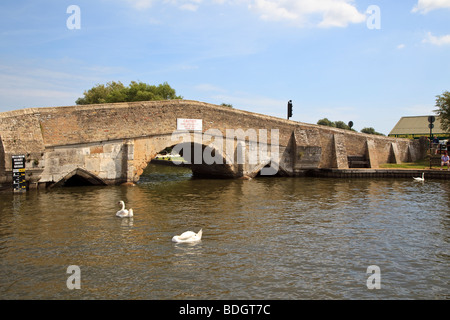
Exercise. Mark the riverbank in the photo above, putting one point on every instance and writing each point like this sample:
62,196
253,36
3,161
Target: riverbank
415,170
380,173
386,173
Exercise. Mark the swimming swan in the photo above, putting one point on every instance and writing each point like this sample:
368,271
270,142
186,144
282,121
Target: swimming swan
420,179
188,236
124,213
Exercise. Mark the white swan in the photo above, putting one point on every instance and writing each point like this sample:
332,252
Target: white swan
420,179
188,236
124,213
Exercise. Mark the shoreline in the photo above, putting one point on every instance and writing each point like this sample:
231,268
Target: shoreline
430,174
434,173
380,173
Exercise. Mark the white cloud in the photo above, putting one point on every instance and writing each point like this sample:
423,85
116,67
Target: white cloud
38,93
141,4
401,46
438,41
315,13
188,5
48,82
425,6
321,13
274,11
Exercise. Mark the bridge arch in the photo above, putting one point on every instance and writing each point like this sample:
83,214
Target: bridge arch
204,160
207,156
79,177
269,168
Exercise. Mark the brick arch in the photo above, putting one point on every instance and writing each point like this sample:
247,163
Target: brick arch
79,173
222,153
216,165
269,168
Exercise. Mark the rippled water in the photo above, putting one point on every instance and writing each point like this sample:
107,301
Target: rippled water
267,238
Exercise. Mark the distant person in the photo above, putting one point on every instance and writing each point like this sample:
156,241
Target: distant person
445,160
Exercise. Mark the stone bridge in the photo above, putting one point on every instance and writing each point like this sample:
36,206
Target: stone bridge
113,143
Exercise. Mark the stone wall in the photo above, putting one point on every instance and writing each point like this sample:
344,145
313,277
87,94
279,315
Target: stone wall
115,142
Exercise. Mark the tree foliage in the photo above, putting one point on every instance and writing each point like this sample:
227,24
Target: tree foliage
443,110
137,91
343,125
326,122
334,124
371,130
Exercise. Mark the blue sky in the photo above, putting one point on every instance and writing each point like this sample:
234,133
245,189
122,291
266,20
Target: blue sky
332,58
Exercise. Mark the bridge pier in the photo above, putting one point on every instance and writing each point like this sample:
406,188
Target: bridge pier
129,170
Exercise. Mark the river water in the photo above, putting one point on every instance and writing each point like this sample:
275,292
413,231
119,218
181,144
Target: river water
267,238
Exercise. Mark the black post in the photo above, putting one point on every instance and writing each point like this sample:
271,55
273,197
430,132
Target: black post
289,113
431,142
431,119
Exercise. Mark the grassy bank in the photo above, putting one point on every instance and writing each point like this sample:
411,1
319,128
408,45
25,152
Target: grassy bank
421,164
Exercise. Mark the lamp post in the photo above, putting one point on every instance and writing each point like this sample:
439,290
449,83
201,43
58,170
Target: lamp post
431,119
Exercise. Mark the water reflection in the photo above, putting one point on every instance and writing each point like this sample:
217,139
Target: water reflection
267,238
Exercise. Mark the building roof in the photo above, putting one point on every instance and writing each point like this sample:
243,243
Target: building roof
416,126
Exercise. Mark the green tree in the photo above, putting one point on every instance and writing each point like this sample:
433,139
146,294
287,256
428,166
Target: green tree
371,130
443,110
227,105
341,125
334,124
103,93
326,122
136,91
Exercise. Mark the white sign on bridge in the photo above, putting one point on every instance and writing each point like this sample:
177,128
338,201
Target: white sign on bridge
189,124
